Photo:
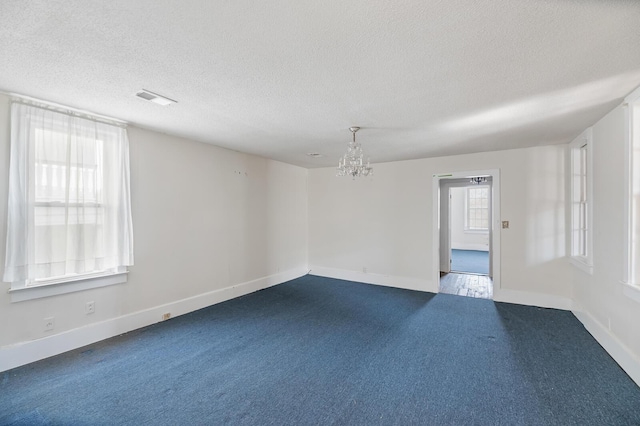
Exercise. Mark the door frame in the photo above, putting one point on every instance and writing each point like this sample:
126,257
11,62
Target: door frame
439,180
446,185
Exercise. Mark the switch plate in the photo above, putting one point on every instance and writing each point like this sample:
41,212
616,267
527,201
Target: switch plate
505,224
49,323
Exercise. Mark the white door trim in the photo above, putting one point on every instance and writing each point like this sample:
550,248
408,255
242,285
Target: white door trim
495,221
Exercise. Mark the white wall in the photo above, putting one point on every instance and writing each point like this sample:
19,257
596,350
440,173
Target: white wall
459,238
600,302
205,219
211,224
384,224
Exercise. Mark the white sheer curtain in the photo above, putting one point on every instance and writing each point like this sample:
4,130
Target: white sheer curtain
69,203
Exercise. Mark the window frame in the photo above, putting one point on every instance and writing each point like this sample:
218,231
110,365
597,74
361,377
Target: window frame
23,290
467,228
581,201
630,281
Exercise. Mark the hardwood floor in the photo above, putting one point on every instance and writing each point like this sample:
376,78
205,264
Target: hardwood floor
470,285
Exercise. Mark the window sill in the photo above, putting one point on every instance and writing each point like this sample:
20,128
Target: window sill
68,286
476,231
582,263
631,291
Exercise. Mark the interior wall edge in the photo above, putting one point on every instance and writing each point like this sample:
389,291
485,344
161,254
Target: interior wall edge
22,353
625,358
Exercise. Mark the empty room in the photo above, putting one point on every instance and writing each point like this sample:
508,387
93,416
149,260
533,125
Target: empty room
320,213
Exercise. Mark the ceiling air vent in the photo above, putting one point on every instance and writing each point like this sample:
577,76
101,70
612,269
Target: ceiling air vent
155,98
314,154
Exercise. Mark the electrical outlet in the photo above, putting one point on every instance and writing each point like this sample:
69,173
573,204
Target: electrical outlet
166,316
49,323
90,307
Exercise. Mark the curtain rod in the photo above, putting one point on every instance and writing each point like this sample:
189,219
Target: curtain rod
16,97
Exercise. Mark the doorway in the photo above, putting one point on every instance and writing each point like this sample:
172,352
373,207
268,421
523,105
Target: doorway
466,225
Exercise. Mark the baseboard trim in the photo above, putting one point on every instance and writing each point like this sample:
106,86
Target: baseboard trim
470,246
626,359
540,300
406,283
508,296
22,353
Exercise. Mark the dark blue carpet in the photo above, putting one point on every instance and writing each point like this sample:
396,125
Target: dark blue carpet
317,351
472,261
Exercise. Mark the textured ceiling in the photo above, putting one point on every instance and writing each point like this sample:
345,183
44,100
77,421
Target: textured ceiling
283,78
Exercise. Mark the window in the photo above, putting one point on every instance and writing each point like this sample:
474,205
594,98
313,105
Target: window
582,203
581,252
477,211
632,230
69,215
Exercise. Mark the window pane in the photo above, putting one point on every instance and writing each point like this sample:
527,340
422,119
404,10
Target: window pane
67,168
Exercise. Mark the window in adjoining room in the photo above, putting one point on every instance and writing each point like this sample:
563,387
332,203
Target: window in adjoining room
477,211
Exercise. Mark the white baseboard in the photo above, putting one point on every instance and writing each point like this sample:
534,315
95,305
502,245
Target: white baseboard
377,279
509,296
15,355
470,246
626,359
532,299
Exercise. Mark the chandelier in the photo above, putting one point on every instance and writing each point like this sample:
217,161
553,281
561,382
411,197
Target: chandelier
352,164
479,180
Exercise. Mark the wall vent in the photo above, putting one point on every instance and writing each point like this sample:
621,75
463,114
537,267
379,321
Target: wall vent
155,98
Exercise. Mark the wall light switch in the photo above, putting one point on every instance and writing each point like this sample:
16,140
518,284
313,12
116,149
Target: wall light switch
505,224
49,323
